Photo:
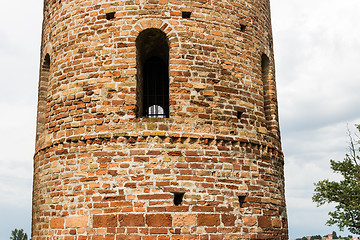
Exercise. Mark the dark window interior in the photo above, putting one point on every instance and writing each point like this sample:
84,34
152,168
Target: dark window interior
156,88
242,27
152,59
178,198
186,14
241,201
46,64
265,69
110,15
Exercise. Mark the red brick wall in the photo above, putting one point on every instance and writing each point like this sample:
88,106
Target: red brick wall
100,172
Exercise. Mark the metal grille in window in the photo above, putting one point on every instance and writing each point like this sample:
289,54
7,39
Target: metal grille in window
155,88
156,111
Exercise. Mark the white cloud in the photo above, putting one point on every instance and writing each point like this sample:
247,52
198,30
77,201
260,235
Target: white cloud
20,34
316,58
18,134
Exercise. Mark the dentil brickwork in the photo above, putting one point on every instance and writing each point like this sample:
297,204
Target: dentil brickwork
210,168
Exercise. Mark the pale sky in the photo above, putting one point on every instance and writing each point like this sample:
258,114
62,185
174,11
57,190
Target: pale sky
317,51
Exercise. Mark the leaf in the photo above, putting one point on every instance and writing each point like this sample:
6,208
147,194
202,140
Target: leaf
344,193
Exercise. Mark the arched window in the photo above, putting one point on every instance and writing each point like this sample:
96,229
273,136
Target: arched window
265,72
42,94
152,59
46,64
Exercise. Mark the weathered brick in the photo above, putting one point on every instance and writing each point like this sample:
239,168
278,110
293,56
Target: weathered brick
249,220
104,221
131,220
264,221
127,237
159,220
228,219
183,220
57,223
276,222
208,219
77,221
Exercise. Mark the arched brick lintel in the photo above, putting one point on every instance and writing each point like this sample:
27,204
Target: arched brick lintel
164,26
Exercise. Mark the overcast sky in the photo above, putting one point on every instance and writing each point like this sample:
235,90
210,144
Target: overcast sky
317,50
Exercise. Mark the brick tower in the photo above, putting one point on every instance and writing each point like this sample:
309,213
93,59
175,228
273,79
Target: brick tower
157,120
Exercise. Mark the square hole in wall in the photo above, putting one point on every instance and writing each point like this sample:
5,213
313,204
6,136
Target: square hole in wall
241,201
178,198
186,14
110,15
242,27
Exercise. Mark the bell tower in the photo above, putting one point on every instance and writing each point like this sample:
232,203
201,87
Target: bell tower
157,120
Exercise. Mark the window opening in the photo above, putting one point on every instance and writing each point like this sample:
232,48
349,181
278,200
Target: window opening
186,14
152,59
241,201
155,111
265,69
178,198
42,95
156,84
110,15
239,114
46,63
242,27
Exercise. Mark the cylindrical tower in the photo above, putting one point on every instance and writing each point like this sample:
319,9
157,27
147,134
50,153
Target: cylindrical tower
157,119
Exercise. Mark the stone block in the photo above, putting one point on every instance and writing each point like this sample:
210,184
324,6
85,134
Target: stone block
159,220
131,220
264,221
57,223
249,220
77,221
228,219
104,221
208,220
184,220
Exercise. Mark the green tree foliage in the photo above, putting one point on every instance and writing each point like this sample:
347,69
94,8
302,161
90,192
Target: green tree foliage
345,193
18,235
334,235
